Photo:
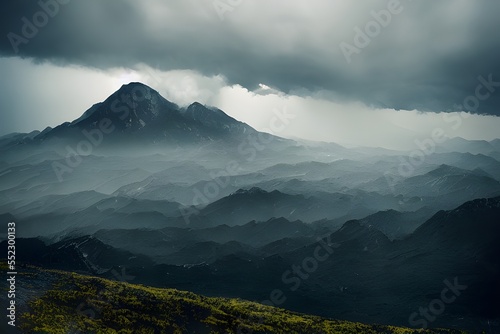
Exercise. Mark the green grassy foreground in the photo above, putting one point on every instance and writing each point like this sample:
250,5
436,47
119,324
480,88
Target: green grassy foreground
84,304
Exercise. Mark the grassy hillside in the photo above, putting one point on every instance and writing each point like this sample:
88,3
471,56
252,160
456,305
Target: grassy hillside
84,304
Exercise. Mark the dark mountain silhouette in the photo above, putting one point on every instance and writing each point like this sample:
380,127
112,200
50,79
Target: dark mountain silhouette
138,114
366,276
395,224
246,205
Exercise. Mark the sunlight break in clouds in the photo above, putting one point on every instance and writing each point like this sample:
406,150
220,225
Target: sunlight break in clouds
72,90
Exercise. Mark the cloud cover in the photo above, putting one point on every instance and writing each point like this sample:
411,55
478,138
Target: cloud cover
428,57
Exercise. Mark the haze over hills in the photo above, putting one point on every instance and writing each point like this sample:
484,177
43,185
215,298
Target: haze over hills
365,272
190,198
250,167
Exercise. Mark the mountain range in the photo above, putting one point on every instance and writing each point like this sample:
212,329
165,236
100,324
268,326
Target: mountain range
189,198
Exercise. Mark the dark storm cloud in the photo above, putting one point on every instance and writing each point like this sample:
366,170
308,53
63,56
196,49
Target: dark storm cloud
429,56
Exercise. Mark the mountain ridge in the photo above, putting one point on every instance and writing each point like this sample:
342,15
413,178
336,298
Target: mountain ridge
138,114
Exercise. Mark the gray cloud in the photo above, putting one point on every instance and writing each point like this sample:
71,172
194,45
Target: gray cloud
428,58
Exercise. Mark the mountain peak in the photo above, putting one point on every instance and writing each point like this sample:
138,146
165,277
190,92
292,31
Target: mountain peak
133,84
251,191
476,221
130,108
138,113
136,89
444,169
196,104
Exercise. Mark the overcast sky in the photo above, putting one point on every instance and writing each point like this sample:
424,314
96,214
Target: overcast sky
360,72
